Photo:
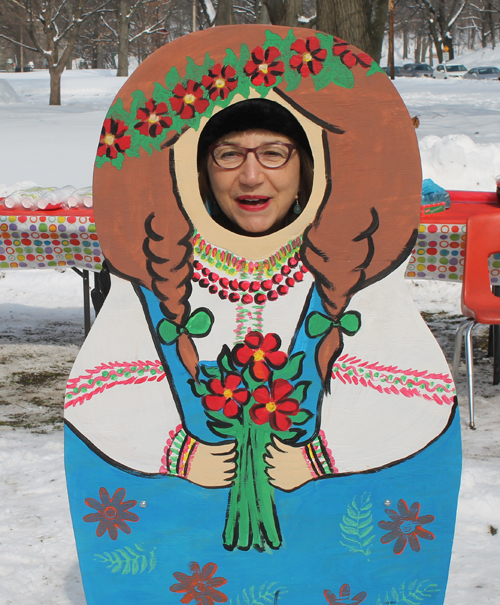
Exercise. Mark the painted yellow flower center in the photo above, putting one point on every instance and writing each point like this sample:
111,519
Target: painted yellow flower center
264,67
109,139
189,99
228,393
258,355
307,57
220,83
271,406
153,118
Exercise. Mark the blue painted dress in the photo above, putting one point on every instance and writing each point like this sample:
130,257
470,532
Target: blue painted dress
374,524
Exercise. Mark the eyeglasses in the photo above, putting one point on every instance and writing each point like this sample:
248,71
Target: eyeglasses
270,155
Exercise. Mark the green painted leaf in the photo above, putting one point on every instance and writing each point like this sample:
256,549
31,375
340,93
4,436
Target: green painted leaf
374,68
302,417
249,381
211,371
199,389
300,391
172,78
293,368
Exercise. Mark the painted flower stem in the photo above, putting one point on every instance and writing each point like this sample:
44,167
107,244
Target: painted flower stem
251,520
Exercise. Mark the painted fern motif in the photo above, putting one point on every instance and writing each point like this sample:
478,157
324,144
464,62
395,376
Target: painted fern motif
128,561
266,594
357,525
414,594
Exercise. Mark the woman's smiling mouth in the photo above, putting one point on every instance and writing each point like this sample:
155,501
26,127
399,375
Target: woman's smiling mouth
253,203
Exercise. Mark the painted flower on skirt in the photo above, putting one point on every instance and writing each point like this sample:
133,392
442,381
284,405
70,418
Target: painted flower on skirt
344,597
274,406
309,58
261,353
153,119
263,68
226,395
348,58
113,139
406,526
200,585
111,513
189,100
220,81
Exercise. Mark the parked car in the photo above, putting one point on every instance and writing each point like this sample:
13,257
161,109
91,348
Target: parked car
417,70
397,71
483,73
445,71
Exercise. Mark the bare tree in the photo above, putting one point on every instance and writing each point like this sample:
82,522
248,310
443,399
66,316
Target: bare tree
441,17
52,27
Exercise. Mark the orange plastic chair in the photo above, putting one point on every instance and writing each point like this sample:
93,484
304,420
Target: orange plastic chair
479,304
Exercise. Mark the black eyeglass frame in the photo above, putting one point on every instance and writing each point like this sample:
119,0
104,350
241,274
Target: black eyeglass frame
289,146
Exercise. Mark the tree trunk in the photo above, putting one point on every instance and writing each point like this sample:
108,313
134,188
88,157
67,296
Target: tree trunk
406,45
123,37
492,23
225,13
359,22
55,85
261,13
418,50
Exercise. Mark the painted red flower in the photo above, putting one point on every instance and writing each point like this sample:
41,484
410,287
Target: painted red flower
344,597
189,100
226,395
220,81
263,68
261,352
406,526
348,58
111,513
113,139
309,58
274,406
200,585
153,118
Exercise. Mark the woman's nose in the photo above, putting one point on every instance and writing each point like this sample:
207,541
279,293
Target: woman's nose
251,172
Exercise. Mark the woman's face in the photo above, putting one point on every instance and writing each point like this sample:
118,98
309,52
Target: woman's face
255,198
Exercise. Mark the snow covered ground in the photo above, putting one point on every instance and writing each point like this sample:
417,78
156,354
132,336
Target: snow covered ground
41,328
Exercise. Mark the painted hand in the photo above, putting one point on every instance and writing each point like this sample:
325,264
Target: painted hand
213,465
287,467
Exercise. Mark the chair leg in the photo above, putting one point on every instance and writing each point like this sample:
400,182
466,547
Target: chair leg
469,362
458,347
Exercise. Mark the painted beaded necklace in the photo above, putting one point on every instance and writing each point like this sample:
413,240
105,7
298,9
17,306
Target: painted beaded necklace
266,280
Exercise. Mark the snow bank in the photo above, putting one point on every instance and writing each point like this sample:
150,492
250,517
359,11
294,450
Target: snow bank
7,93
457,162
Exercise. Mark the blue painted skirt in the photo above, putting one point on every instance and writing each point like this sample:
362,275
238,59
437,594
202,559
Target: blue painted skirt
377,538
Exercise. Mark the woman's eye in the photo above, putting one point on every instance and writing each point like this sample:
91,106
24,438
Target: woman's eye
229,154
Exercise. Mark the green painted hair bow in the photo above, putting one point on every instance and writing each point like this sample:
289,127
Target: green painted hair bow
198,325
318,324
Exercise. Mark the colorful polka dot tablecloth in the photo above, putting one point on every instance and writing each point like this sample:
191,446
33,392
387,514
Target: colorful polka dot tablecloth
49,241
36,240
440,254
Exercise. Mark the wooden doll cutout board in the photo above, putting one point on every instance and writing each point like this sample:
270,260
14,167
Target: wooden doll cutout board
297,358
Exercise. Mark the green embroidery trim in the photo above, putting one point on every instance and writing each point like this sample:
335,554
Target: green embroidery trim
198,325
333,71
318,324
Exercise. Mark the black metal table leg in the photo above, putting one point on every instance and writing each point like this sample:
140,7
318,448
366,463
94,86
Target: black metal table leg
84,274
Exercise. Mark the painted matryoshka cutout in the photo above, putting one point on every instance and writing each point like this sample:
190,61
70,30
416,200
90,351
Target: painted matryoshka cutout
260,419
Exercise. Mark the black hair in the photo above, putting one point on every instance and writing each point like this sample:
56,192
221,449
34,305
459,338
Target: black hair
250,115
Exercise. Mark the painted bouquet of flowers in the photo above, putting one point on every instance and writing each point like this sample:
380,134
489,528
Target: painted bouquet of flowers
250,395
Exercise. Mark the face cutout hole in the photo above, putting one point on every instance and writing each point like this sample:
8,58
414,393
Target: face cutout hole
259,178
